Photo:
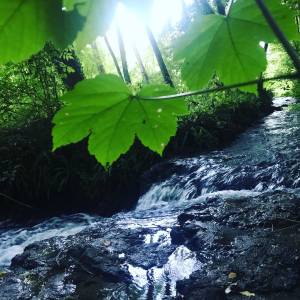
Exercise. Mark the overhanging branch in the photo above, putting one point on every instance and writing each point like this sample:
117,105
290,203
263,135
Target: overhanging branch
279,34
292,76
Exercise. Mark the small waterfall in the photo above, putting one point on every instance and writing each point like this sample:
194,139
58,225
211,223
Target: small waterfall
14,240
266,157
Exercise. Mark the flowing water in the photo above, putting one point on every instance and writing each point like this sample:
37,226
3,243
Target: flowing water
265,158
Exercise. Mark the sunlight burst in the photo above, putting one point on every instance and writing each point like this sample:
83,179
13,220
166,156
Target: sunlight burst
163,12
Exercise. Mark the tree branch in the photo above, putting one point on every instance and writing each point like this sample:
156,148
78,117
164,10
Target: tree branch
292,76
279,34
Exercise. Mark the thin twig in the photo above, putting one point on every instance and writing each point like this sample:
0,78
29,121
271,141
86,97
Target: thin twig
291,76
279,34
15,201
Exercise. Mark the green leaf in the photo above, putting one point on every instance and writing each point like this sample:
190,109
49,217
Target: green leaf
98,15
284,16
229,45
26,25
105,110
72,4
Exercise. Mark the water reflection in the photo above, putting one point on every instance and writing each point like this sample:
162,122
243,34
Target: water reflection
156,283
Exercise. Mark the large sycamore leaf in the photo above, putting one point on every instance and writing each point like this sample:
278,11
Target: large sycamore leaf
26,25
105,110
285,18
229,45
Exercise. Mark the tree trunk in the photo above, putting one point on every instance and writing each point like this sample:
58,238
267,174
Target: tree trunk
220,7
185,16
114,58
205,7
100,66
160,60
123,57
141,64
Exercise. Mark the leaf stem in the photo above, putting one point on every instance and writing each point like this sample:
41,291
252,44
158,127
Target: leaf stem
292,76
279,34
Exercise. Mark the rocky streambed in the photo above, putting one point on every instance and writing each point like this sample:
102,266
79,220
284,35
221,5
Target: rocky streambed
225,225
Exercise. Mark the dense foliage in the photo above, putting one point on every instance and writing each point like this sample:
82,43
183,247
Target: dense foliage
29,90
213,47
278,63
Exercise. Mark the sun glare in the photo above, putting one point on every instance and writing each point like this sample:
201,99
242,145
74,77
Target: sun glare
163,12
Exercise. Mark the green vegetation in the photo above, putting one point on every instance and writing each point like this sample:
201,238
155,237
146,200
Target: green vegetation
62,81
30,90
279,63
25,27
211,40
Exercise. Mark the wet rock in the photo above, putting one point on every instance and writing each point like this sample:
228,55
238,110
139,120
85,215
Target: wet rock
94,264
215,249
206,294
257,238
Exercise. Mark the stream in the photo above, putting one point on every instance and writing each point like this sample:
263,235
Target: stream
216,226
